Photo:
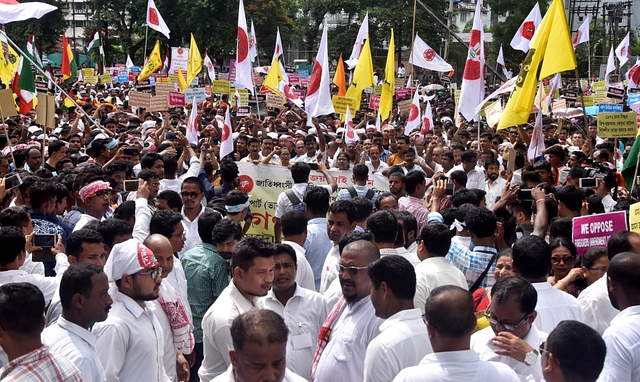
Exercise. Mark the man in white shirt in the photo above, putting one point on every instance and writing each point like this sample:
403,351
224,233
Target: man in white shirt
450,320
433,270
512,338
352,324
532,261
85,299
259,337
192,193
494,183
303,310
130,342
384,227
317,244
622,362
294,230
342,219
96,196
252,266
312,145
475,173
169,179
403,339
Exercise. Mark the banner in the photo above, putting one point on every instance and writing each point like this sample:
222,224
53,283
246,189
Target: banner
265,183
340,104
617,125
634,218
179,59
595,230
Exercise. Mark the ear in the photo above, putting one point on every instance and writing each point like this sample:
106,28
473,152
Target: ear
77,300
384,289
430,330
552,363
238,273
127,281
72,259
532,317
234,357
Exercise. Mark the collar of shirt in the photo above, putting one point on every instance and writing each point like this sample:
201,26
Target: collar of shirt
403,315
451,357
353,308
186,219
209,247
130,304
76,329
300,187
387,252
542,286
481,248
317,221
436,260
30,357
296,247
237,297
296,293
630,311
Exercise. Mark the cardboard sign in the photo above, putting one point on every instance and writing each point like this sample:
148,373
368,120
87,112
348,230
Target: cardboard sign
173,78
599,86
274,100
377,90
588,101
243,111
634,218
91,79
617,125
87,72
139,99
609,108
198,93
559,106
223,77
400,83
404,106
158,103
301,93
595,230
613,92
633,98
374,102
7,104
571,95
163,88
340,104
244,97
599,98
46,110
176,99
221,87
105,78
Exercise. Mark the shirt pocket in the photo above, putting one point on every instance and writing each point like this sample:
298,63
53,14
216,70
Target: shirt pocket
343,351
304,335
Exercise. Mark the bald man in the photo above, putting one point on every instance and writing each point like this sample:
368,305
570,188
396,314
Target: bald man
177,333
352,323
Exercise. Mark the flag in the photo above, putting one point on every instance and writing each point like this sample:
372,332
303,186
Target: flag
410,81
101,63
226,145
427,119
611,66
24,86
622,51
11,10
551,52
182,82
339,79
192,123
33,52
414,116
94,40
378,124
389,84
507,87
556,83
154,62
69,68
244,71
629,167
582,34
500,61
350,133
155,20
633,75
49,73
541,100
472,89
524,35
363,34
195,61
285,89
129,64
318,99
210,69
277,52
423,56
273,78
362,75
536,147
80,77
253,43
165,62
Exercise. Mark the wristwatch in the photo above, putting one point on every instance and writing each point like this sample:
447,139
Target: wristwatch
531,357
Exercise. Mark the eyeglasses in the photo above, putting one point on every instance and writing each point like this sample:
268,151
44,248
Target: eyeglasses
155,273
542,347
183,234
352,270
599,269
566,260
154,185
101,194
393,208
191,195
509,327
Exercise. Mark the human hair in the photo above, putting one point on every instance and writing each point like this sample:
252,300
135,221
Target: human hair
383,225
469,156
594,204
300,172
580,366
486,134
97,146
40,193
294,222
449,310
592,254
363,207
563,242
531,177
351,236
61,191
481,222
491,162
119,165
126,210
206,222
459,177
344,206
316,199
235,198
464,196
111,228
77,280
571,197
164,223
409,222
147,175
55,146
174,200
21,310
60,164
149,159
225,229
619,242
228,171
260,327
436,238
412,180
12,242
285,248
448,154
360,172
193,180
397,272
516,288
624,270
79,237
247,250
384,195
552,208
532,257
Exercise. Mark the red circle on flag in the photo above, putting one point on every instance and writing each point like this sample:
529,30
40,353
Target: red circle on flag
528,30
245,183
429,54
243,45
414,113
472,67
316,75
634,74
350,133
226,132
426,126
153,16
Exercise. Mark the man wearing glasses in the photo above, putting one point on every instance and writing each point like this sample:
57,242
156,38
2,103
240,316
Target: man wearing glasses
95,196
512,337
192,193
130,342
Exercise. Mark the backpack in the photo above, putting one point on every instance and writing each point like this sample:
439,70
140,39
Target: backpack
295,201
369,195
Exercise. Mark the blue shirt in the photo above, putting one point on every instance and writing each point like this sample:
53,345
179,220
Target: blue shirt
317,246
473,262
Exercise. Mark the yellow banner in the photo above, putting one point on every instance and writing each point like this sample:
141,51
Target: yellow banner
634,218
340,104
617,125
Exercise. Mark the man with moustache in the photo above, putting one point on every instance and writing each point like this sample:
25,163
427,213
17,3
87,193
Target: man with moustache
494,183
252,266
95,196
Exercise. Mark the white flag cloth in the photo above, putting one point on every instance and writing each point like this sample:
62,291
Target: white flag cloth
155,20
363,34
507,87
253,44
129,63
414,116
285,89
210,69
409,81
378,123
500,61
622,51
633,75
493,113
244,71
277,52
318,99
13,11
226,145
423,56
536,147
472,89
524,35
427,119
611,66
555,83
192,123
582,34
350,133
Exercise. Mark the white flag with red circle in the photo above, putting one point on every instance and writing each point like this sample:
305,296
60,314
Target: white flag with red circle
633,75
582,34
350,133
378,124
472,89
414,115
427,119
210,69
226,146
622,51
155,20
244,71
423,56
318,99
524,35
192,123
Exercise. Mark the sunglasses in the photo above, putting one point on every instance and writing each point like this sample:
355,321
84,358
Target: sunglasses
566,260
191,195
352,270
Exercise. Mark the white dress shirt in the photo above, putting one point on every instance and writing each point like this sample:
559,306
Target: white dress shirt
622,363
30,266
410,256
216,329
47,285
596,306
178,281
475,178
343,356
228,376
304,274
84,219
130,342
78,345
191,232
304,315
464,365
284,204
403,341
494,191
170,349
482,343
329,269
176,183
413,248
554,306
432,273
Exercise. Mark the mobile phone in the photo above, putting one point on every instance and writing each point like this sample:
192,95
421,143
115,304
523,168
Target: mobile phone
131,185
131,152
313,166
45,240
524,195
13,180
170,135
449,190
588,182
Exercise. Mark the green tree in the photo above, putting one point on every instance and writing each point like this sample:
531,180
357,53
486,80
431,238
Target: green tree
48,28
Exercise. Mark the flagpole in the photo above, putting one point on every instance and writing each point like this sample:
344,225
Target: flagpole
584,113
589,59
146,33
413,34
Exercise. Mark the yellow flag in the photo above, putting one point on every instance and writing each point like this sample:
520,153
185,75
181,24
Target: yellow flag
551,52
362,75
195,61
339,78
154,62
389,84
182,82
274,76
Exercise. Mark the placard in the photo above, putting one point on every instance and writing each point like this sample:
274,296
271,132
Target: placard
198,93
559,106
139,99
294,79
588,101
613,92
599,98
340,104
609,108
274,100
374,102
91,79
633,98
599,86
400,83
301,93
244,97
87,72
179,59
634,218
207,90
404,106
177,99
595,230
105,78
617,125
223,77
221,87
46,110
173,78
570,95
303,73
7,103
158,103
123,77
377,90
243,111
